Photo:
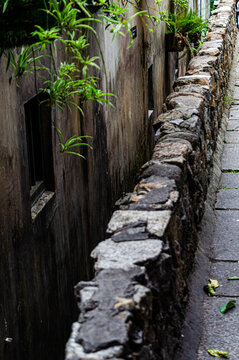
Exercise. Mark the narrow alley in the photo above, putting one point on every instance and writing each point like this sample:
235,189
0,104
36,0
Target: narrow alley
113,116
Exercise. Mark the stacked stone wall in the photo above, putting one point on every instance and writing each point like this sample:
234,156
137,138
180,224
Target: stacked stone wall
135,305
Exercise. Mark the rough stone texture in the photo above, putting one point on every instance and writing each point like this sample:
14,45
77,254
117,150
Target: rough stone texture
134,308
155,223
154,167
111,255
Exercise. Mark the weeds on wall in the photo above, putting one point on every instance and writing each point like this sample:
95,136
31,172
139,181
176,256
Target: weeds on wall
187,26
66,28
66,83
68,24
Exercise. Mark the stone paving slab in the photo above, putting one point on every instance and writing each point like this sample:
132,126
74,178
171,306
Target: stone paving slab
227,199
233,125
236,75
232,137
230,157
225,244
221,270
236,92
229,180
220,331
234,113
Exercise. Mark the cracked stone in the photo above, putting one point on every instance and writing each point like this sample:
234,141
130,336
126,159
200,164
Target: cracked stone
126,255
75,351
180,135
184,100
209,51
131,234
200,79
114,297
201,63
167,150
156,196
109,332
157,221
154,167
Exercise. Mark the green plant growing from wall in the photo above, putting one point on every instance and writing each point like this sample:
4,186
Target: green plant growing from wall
67,84
187,26
68,146
66,26
23,63
186,22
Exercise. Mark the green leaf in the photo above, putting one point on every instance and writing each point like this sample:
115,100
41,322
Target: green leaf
5,6
218,353
74,153
233,278
228,306
209,290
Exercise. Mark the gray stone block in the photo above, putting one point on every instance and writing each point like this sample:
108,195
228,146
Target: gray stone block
218,44
234,113
227,199
230,157
194,88
229,180
156,221
232,137
225,243
153,193
125,255
198,79
75,351
201,63
168,150
236,93
185,101
177,134
175,114
110,331
164,170
192,125
233,125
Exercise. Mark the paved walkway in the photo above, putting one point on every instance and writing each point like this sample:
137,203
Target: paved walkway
220,331
218,253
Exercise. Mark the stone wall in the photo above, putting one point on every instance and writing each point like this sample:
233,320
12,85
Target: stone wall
134,307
